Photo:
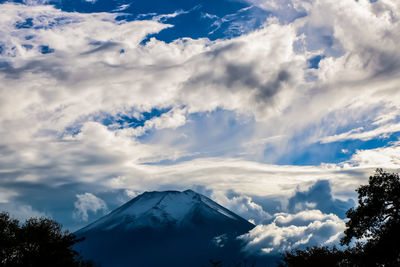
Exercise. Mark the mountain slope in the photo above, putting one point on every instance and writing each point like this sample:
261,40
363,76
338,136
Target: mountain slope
168,228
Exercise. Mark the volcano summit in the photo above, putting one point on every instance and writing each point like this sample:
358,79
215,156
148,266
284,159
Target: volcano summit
167,228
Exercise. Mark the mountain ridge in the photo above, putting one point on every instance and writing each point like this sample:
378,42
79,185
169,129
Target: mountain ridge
181,228
161,210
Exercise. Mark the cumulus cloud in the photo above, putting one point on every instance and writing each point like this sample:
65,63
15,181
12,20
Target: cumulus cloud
172,119
60,72
319,196
294,231
244,206
383,157
256,73
88,202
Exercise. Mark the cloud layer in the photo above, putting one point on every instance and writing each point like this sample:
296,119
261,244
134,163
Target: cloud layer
294,231
92,107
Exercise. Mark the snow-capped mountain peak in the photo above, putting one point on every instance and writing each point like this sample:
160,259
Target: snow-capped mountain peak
180,228
162,209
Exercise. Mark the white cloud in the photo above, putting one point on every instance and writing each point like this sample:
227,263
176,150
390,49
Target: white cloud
294,231
243,206
363,135
157,75
88,202
165,17
172,119
22,212
122,7
131,193
286,10
35,2
257,74
384,157
99,66
6,195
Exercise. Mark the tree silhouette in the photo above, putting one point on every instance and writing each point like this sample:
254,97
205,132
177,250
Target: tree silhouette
313,257
376,219
36,242
374,225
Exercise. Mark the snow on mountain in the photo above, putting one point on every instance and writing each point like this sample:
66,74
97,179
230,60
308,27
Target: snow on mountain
169,228
160,209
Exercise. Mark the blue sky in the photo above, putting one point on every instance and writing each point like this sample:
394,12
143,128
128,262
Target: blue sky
277,110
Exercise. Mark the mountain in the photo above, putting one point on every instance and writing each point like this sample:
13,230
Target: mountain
167,228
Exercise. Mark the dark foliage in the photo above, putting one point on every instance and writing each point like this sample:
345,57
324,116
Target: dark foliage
374,225
37,242
242,263
313,257
377,219
378,208
323,256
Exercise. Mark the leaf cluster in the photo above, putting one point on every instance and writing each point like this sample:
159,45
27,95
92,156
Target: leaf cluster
318,256
378,210
374,225
36,242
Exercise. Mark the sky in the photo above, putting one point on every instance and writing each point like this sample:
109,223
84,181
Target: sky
276,109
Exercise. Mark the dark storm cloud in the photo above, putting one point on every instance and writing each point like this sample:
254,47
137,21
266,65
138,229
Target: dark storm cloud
57,201
382,63
196,75
223,51
246,74
10,175
319,196
236,74
102,47
268,90
35,66
241,77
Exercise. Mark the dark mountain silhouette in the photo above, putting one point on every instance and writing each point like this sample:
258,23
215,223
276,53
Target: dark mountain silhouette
168,228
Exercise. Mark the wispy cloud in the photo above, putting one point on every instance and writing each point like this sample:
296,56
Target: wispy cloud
233,106
360,134
88,202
